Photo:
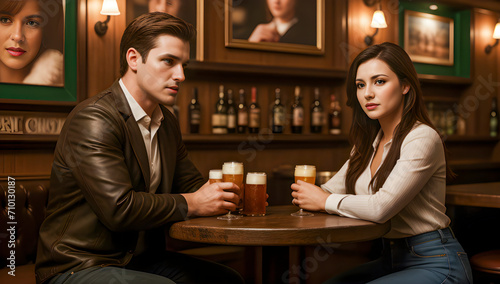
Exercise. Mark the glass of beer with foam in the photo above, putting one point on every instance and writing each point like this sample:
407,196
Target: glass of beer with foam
255,194
233,172
305,173
214,176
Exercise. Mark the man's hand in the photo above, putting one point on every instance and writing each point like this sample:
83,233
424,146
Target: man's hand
309,196
265,32
213,199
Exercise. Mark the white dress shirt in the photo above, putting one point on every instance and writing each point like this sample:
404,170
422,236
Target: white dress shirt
413,194
148,126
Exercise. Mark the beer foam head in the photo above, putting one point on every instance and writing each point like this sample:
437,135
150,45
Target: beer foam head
215,174
305,171
256,178
232,168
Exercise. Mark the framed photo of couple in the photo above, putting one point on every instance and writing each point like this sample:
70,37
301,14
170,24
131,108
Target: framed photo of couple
282,26
39,63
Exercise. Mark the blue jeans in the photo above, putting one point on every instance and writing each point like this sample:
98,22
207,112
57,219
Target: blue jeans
433,257
165,268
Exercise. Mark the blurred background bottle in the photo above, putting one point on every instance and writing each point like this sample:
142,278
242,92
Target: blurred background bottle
231,113
297,113
335,116
194,113
317,115
219,117
254,113
242,113
278,113
494,118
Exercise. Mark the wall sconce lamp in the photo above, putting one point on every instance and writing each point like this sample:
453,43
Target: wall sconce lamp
496,35
378,20
109,7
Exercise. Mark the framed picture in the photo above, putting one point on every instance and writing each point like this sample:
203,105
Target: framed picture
428,38
42,67
190,11
285,26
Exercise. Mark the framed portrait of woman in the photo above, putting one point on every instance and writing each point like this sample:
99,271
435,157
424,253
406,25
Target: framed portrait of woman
284,26
190,11
39,61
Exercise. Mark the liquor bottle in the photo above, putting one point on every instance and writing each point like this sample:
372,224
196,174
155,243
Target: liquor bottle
335,116
278,113
242,113
317,114
194,113
219,117
231,113
494,118
254,123
297,113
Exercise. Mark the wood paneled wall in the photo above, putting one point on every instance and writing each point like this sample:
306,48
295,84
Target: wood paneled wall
347,23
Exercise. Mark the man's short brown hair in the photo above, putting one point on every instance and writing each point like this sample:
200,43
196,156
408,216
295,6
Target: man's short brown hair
143,31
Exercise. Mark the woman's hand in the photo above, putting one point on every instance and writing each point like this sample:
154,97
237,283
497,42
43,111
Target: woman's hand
309,196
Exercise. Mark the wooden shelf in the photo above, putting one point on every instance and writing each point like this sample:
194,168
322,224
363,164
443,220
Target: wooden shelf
198,69
276,141
439,79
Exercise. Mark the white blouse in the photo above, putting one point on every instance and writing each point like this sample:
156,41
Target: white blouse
413,194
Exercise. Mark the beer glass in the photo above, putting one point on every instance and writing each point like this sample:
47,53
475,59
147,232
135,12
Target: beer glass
255,194
305,173
233,172
214,176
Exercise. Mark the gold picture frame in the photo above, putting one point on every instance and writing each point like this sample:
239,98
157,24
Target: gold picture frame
429,38
304,34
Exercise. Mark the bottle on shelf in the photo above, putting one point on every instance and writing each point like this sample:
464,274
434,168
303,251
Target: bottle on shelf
254,122
194,113
242,113
278,113
494,118
219,117
231,113
297,113
335,116
317,115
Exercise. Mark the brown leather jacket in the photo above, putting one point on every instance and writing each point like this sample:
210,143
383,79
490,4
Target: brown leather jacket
99,196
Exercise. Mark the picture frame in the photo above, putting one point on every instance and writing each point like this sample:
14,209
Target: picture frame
66,94
248,25
429,38
189,10
462,68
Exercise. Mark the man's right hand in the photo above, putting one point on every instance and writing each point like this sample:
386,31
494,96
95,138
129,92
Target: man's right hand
213,199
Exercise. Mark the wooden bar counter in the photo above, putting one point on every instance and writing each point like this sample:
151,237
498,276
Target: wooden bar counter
474,194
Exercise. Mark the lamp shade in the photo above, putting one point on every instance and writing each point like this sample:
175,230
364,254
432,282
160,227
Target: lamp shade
496,32
378,20
110,7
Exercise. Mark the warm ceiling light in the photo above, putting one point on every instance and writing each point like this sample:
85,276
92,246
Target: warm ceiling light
433,7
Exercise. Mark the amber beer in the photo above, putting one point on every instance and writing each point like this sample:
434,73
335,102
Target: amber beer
233,172
214,176
305,173
255,194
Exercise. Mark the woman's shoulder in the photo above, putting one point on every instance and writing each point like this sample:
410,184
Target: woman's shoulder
47,69
422,131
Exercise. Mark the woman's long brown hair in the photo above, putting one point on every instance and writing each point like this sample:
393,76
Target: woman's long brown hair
364,129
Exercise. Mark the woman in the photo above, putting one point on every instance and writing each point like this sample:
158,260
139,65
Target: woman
396,171
23,59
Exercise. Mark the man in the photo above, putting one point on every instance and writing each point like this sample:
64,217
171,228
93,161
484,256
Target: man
121,173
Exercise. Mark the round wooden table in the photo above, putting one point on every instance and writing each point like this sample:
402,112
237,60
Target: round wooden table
278,228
